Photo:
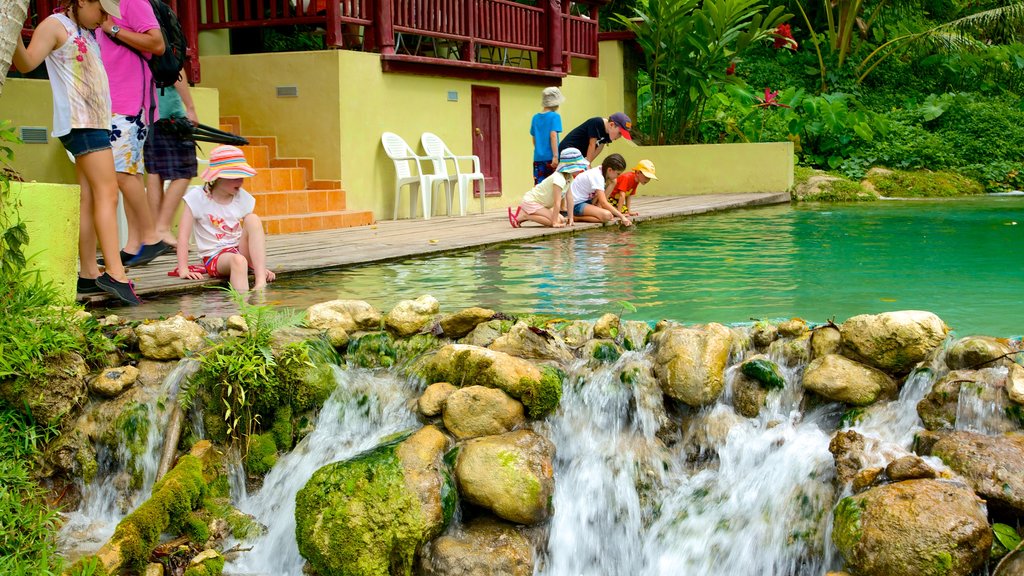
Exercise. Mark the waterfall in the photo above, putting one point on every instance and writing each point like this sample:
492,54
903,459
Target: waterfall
753,501
109,497
364,408
982,404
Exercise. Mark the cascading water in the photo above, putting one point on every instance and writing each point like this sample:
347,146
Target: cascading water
107,499
643,485
754,503
363,409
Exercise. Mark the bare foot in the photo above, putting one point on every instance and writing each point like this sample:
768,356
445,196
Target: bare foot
270,277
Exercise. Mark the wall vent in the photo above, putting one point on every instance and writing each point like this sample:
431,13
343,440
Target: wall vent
33,134
287,91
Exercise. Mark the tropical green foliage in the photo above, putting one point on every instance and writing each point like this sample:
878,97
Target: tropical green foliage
27,540
688,47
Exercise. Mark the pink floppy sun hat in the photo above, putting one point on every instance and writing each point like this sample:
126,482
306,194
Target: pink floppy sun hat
227,162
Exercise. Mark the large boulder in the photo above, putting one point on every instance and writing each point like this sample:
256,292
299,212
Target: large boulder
539,389
352,315
893,342
971,395
840,379
511,475
913,528
975,352
525,341
170,339
410,316
484,546
480,411
464,321
61,395
690,362
992,465
368,515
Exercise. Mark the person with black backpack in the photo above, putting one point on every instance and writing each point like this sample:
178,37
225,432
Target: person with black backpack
126,47
170,156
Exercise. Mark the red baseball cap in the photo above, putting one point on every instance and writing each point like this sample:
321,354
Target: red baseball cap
623,122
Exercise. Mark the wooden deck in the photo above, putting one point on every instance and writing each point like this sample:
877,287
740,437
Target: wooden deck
291,254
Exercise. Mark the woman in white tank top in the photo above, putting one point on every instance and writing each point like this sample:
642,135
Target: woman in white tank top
81,119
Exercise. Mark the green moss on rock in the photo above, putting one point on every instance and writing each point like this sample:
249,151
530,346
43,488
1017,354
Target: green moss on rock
282,430
261,454
847,529
924,184
606,352
372,350
541,399
358,517
765,372
209,567
169,508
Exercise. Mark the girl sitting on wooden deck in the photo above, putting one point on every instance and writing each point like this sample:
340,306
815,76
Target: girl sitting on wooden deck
229,237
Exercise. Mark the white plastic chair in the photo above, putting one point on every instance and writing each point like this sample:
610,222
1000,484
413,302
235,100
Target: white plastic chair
402,155
436,148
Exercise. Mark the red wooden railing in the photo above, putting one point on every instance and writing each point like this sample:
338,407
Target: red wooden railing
503,33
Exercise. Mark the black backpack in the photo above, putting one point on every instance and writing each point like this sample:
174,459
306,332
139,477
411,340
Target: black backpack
166,68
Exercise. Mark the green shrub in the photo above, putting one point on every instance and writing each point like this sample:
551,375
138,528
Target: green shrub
924,184
28,535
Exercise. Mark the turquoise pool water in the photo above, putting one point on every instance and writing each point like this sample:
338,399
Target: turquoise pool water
958,258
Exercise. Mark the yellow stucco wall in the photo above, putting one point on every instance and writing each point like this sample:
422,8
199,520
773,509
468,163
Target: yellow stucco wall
711,168
346,101
30,103
50,212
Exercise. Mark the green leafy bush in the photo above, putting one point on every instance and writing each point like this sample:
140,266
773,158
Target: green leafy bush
28,538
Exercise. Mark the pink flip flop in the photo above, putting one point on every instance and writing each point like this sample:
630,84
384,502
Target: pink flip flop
513,219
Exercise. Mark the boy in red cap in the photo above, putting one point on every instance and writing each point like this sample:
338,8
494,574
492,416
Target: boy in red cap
591,136
626,185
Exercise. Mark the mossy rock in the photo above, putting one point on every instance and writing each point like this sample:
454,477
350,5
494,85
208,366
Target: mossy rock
765,372
372,350
922,184
539,389
817,186
361,516
261,454
174,498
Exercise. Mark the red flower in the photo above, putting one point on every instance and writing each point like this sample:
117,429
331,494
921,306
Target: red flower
731,69
771,99
784,38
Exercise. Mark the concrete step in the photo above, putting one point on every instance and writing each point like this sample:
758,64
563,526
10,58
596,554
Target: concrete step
318,221
299,202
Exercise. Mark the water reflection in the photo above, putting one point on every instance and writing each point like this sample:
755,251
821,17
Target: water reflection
955,258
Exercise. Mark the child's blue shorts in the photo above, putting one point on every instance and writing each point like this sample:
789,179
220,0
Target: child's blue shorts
82,141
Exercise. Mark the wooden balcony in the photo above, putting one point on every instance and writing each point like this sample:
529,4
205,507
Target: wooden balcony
527,39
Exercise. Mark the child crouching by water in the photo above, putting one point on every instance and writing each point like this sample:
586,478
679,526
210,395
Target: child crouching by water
543,203
627,183
229,237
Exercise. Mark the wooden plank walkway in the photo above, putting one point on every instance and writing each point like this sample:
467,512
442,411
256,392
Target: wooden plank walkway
291,254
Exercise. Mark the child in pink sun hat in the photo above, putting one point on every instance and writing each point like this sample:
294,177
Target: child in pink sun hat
229,237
